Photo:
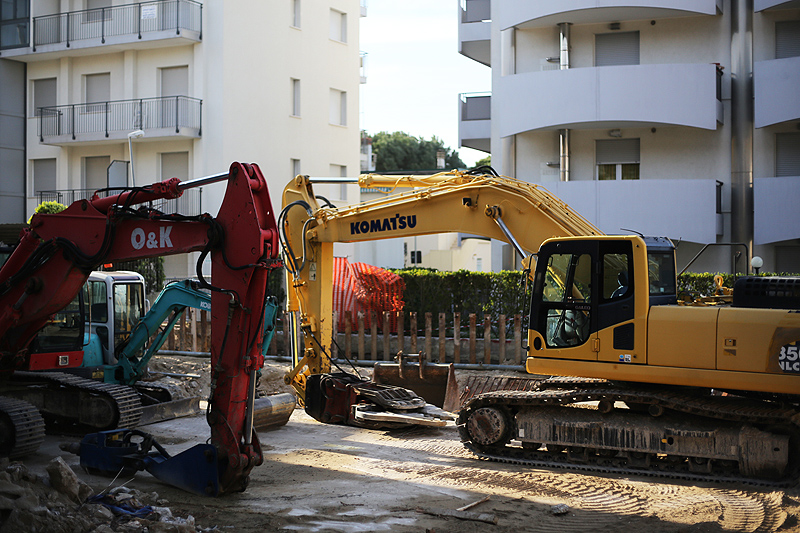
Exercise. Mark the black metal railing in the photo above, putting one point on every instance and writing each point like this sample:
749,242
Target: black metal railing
120,116
190,203
129,19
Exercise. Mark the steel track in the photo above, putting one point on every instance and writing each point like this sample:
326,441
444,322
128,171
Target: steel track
123,401
738,410
22,426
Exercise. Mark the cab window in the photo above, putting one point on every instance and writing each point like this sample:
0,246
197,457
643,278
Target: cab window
567,290
616,276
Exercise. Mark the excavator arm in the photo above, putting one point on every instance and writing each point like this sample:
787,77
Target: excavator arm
57,253
521,213
171,302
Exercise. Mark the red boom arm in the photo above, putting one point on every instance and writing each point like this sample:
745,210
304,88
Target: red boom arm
56,254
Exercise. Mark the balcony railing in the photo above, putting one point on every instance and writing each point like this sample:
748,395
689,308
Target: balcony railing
129,19
476,10
476,106
120,116
190,203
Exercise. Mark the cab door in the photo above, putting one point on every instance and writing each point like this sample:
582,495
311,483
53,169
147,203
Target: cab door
564,305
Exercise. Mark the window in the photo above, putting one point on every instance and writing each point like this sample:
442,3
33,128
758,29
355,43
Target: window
566,298
618,48
14,23
617,159
338,107
44,175
341,172
295,13
661,273
787,39
44,95
94,10
175,165
128,310
95,172
338,29
98,91
295,97
616,276
787,154
295,167
175,81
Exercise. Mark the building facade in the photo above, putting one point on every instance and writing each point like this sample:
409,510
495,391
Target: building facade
179,88
664,117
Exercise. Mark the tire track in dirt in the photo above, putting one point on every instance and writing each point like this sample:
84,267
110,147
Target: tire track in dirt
606,499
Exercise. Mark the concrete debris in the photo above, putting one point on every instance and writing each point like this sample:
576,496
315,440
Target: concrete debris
64,480
60,502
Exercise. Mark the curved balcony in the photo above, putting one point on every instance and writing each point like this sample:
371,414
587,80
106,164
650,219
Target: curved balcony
776,95
686,209
509,13
776,217
608,97
475,121
168,116
475,31
763,5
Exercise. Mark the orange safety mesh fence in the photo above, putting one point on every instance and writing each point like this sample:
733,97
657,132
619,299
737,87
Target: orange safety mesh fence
363,288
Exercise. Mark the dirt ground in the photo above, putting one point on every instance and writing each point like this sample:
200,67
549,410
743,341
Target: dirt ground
324,478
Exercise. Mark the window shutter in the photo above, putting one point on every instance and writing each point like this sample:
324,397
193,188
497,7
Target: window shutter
787,154
616,49
617,151
787,39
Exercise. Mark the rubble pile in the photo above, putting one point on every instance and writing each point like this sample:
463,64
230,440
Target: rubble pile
59,501
164,370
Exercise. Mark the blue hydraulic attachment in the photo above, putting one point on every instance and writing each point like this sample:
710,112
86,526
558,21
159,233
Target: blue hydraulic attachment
195,470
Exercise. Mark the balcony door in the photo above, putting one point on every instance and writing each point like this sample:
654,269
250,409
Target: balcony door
95,172
97,93
174,82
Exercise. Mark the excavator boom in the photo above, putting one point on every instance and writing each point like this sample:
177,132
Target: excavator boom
57,253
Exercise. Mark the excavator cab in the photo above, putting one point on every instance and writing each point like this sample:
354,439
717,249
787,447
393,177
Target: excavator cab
591,296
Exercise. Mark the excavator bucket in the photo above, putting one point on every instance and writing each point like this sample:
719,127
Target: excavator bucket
436,383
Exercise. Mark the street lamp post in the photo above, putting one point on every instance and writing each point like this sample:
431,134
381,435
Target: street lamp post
133,135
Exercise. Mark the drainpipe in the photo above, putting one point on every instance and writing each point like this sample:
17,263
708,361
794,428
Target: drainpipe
742,127
563,135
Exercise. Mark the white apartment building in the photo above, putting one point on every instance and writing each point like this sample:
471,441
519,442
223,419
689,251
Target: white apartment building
676,118
187,86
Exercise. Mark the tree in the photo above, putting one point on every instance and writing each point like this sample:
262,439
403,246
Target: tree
485,162
401,151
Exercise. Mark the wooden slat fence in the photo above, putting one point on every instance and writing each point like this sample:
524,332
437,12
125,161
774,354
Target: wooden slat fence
445,339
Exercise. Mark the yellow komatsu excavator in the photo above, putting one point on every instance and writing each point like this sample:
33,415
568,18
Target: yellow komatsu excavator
643,383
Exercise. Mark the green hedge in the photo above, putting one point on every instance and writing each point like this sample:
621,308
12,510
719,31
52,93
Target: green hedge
702,284
465,292
496,293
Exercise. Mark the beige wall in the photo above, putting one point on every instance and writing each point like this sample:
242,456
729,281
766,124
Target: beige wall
241,70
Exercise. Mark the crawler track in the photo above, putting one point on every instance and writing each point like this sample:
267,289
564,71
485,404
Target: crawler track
21,428
587,446
65,400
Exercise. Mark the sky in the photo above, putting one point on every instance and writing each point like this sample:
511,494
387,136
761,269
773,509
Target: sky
414,71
